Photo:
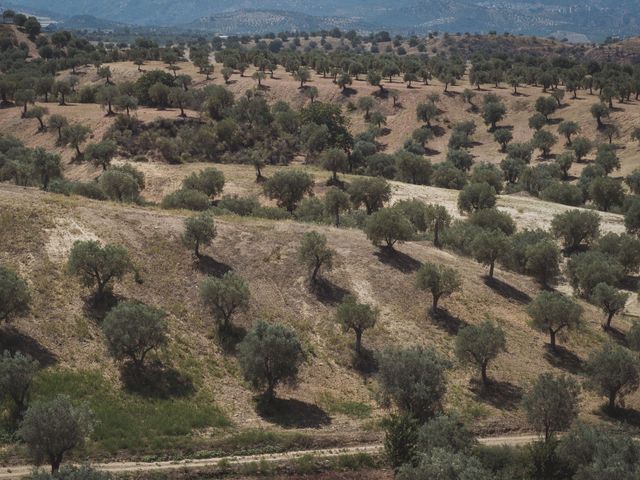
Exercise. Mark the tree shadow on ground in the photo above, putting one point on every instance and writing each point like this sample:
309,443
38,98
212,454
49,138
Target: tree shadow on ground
628,416
13,341
438,131
349,92
564,359
291,413
381,94
156,380
230,337
446,321
97,308
505,290
398,260
630,282
209,266
503,395
616,335
328,292
366,363
430,152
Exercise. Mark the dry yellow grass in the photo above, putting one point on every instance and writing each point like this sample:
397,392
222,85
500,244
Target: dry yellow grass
38,230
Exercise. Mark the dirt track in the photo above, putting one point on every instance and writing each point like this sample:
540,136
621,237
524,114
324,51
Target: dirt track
121,467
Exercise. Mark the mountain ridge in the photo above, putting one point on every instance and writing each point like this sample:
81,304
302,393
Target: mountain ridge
600,19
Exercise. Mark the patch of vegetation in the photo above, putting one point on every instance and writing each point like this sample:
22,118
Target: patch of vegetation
125,421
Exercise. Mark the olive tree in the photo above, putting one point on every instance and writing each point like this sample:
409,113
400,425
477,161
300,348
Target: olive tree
97,265
388,226
503,136
544,141
414,380
576,227
493,112
476,196
543,260
14,294
120,185
587,269
438,219
568,129
357,317
488,246
552,404
335,202
581,146
373,193
552,312
132,330
199,230
209,181
57,122
613,372
610,300
270,355
443,464
74,136
288,187
52,428
101,153
314,253
225,296
16,377
38,113
441,281
480,344
334,160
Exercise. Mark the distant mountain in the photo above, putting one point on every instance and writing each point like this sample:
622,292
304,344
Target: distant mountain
87,22
250,21
594,18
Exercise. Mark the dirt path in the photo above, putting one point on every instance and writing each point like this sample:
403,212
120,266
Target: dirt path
17,472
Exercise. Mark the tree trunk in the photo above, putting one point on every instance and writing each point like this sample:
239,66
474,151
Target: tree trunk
435,303
612,399
358,341
609,318
337,219
483,371
314,274
491,267
552,335
55,460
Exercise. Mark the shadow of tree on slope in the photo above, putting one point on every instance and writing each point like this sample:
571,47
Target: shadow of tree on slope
291,413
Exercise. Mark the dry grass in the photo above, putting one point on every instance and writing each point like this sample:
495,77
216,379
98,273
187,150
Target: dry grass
39,230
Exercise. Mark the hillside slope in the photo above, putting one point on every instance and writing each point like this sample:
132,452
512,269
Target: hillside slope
38,230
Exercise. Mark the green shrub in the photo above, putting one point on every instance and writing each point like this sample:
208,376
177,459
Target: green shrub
186,199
